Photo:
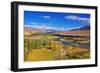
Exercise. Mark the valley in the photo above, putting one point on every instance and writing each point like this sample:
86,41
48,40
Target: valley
40,45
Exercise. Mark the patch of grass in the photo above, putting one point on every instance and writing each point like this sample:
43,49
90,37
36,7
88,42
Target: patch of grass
78,40
77,53
39,55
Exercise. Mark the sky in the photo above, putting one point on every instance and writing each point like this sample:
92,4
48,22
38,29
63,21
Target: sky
55,20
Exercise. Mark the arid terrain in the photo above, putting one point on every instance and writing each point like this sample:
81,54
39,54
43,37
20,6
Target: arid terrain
40,45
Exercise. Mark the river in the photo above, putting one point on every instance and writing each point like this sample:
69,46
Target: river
61,39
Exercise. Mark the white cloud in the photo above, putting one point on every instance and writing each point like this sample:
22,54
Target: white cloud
73,17
32,23
46,27
41,26
46,17
27,25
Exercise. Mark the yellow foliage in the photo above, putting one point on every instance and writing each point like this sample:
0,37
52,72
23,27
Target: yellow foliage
39,55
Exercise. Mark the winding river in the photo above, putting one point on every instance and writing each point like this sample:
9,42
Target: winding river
61,39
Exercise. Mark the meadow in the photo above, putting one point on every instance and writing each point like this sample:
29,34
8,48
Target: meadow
43,46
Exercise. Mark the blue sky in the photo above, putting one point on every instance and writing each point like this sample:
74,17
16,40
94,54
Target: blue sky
55,20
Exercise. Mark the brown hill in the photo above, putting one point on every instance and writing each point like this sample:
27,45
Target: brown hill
29,30
75,33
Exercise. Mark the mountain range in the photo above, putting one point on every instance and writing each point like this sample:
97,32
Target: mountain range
87,27
82,31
